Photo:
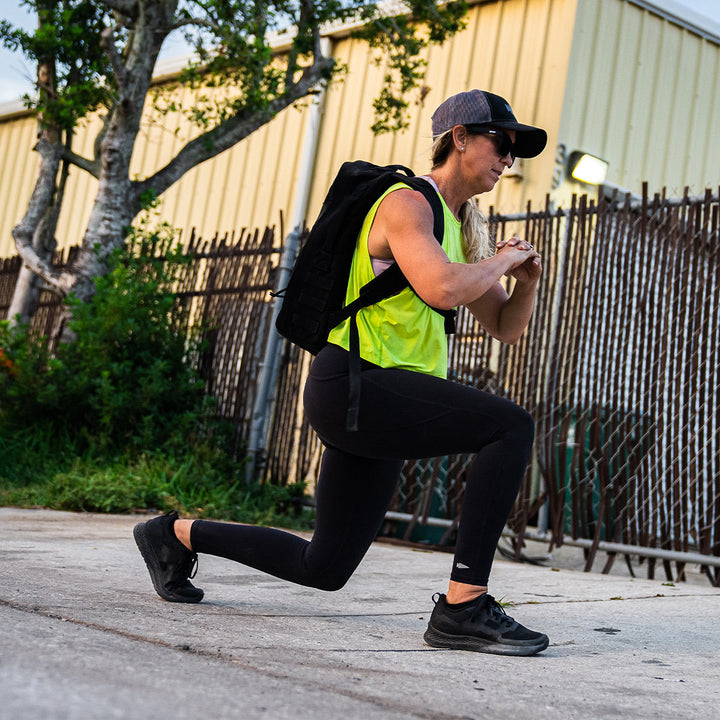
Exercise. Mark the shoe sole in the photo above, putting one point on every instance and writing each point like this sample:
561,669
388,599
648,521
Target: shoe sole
438,639
153,565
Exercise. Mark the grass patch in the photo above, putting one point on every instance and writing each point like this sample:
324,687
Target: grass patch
199,483
118,420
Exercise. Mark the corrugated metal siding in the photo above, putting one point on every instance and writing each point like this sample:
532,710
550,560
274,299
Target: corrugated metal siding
18,170
247,185
642,93
516,48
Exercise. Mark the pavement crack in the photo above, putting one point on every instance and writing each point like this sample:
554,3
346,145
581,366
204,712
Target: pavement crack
218,655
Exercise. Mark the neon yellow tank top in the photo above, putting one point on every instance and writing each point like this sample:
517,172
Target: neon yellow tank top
400,331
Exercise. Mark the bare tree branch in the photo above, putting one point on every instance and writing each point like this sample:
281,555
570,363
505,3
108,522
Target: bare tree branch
292,61
89,166
317,39
108,44
195,22
231,131
126,7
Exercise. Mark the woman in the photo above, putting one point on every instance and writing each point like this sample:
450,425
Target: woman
409,409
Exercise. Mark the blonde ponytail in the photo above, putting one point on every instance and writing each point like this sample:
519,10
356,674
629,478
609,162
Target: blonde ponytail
476,233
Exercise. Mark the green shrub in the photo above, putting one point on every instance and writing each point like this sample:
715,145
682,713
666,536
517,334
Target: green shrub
125,379
126,375
28,394
118,420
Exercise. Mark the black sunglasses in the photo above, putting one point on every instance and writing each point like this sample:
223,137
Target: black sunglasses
503,144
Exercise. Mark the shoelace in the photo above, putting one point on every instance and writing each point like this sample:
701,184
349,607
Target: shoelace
187,569
495,609
193,566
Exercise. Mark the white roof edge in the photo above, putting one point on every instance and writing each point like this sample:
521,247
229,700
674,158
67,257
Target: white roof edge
668,9
11,108
684,16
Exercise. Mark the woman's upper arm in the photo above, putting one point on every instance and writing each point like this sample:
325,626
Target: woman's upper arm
403,229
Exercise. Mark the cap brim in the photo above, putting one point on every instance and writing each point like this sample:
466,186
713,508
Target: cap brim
529,141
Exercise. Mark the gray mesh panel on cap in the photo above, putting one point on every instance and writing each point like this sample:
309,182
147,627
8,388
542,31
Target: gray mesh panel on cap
461,109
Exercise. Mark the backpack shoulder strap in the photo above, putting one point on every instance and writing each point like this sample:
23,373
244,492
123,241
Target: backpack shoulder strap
390,282
430,194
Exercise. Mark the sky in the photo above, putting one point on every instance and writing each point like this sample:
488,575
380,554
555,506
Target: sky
16,74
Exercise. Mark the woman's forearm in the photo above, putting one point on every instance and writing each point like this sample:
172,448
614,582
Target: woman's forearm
515,314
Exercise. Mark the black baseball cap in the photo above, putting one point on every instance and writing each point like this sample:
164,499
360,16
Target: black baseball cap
477,107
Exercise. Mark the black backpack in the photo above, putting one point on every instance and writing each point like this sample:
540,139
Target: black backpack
313,301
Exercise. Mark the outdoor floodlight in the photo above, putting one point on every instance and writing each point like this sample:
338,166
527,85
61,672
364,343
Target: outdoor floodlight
587,168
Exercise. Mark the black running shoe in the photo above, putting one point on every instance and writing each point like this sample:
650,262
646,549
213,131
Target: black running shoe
482,626
169,562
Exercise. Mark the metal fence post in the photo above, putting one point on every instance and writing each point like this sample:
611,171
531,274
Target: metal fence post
269,367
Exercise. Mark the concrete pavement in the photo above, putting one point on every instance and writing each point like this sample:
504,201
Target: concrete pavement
83,635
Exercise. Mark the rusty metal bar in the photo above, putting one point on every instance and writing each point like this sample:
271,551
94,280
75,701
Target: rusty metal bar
609,547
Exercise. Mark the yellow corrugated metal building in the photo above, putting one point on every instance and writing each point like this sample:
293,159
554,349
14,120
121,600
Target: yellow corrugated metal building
629,81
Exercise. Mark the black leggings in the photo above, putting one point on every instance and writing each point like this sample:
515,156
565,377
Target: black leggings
403,415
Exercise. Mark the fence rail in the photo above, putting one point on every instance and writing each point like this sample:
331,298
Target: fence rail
620,368
225,290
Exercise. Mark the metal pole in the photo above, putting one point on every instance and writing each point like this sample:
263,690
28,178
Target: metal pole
269,367
268,370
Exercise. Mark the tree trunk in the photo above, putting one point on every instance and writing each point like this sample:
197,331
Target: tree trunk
118,198
41,217
117,201
37,229
26,297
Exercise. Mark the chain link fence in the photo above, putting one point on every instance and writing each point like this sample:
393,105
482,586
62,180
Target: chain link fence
619,367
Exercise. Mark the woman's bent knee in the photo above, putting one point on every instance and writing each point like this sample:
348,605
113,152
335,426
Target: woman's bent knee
517,424
329,583
526,424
